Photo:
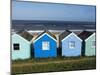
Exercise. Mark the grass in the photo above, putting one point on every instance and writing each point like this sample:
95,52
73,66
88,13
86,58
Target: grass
53,64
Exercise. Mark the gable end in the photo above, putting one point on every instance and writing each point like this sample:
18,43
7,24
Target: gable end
42,36
70,35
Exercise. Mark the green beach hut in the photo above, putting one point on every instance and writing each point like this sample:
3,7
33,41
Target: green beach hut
21,43
89,43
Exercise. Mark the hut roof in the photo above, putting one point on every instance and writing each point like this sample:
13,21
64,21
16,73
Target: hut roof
26,35
85,34
46,31
64,34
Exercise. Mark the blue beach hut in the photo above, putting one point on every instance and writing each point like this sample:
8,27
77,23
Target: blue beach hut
45,45
70,44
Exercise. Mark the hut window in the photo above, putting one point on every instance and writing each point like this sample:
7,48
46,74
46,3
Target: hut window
72,44
45,45
16,46
93,44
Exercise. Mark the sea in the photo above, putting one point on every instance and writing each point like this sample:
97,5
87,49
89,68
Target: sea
53,26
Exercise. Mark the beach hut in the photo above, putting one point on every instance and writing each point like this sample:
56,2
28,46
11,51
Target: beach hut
70,44
45,45
21,43
88,44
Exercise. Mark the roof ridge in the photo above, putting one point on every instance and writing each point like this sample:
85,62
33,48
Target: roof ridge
26,35
85,34
49,33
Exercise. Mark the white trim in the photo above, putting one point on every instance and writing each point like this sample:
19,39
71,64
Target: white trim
89,37
70,44
21,38
42,36
32,40
45,45
70,35
13,47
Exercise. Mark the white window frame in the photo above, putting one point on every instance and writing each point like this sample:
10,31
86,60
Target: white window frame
45,45
70,44
93,42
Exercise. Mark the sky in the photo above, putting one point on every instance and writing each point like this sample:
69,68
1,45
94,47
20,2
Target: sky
52,11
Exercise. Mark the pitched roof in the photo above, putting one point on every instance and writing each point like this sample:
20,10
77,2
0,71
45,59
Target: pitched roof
64,34
46,31
25,35
85,34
